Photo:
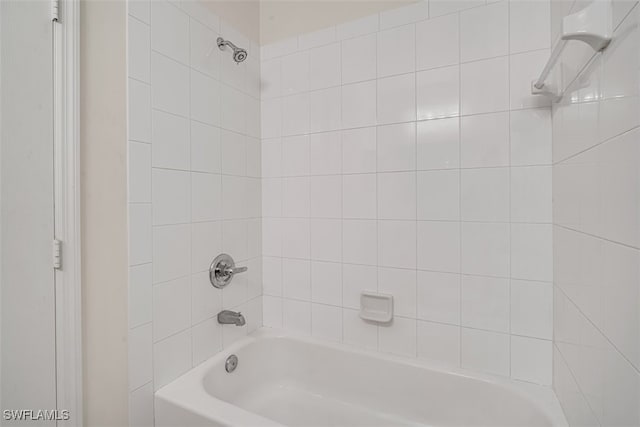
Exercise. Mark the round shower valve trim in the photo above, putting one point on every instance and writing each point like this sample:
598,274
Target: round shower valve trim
222,270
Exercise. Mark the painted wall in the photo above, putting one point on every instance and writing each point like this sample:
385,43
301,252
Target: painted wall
193,191
103,106
596,214
403,153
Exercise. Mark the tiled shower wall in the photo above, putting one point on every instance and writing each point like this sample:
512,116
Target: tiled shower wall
403,153
194,191
596,159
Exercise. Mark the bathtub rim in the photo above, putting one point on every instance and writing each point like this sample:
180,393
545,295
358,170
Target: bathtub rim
188,390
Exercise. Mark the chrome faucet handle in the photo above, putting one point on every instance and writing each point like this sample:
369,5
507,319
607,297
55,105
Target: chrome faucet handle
222,270
235,270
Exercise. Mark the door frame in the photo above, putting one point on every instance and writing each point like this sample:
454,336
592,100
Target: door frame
67,208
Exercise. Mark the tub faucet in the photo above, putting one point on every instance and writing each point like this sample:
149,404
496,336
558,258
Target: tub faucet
228,317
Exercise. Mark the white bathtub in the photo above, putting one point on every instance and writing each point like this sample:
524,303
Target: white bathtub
282,380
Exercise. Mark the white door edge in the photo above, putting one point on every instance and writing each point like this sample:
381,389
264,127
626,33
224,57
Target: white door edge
67,213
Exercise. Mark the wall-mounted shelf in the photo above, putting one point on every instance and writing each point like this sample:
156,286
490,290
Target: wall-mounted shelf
592,25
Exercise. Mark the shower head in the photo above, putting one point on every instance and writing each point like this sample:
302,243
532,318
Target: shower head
239,54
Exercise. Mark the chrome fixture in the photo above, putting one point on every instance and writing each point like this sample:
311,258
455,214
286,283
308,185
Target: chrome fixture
228,317
231,363
222,270
239,54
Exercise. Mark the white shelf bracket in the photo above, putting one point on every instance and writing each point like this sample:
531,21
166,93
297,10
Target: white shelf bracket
592,25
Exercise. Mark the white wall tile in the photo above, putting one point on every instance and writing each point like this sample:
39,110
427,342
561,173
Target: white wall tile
437,42
355,280
397,195
171,358
325,153
295,197
359,150
396,99
326,196
326,236
438,144
140,9
359,242
171,196
139,172
139,111
484,194
396,51
141,407
531,360
169,85
326,322
271,118
170,30
359,196
206,196
296,279
531,194
324,110
140,235
296,316
359,59
397,244
439,246
206,340
359,104
140,356
203,58
438,195
438,297
206,301
324,66
358,332
171,307
396,147
326,283
170,141
139,50
530,137
485,249
317,38
439,343
485,351
520,67
531,252
140,295
401,284
484,140
205,148
484,86
399,337
272,312
295,114
205,99
532,309
485,303
484,32
171,252
295,156
529,25
438,93
295,73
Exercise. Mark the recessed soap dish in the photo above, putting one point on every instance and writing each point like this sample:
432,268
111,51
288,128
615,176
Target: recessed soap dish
376,307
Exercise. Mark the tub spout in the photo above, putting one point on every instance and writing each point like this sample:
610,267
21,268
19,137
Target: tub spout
228,317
